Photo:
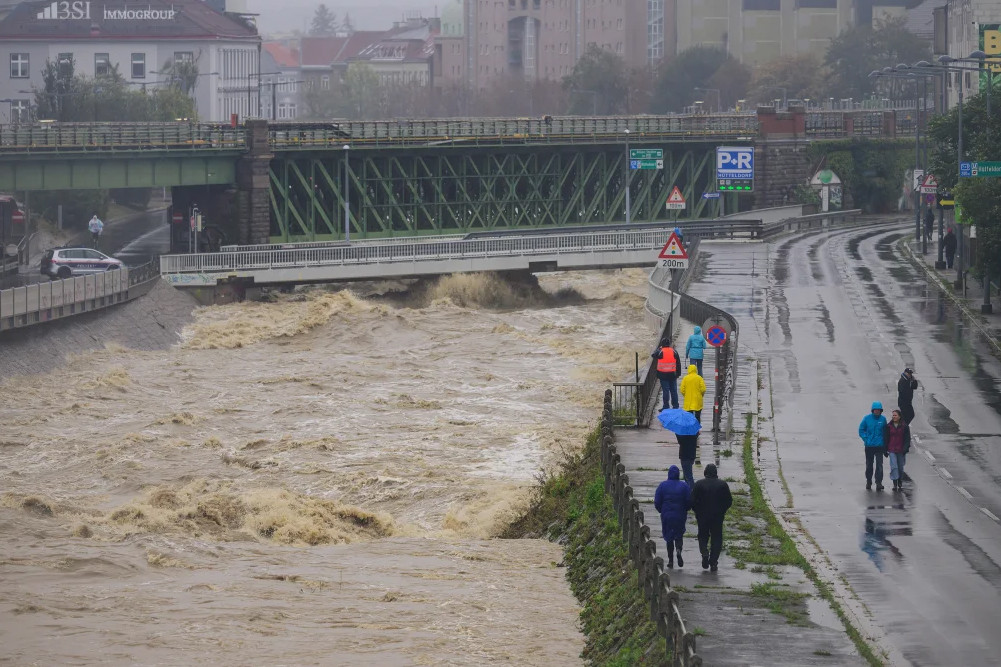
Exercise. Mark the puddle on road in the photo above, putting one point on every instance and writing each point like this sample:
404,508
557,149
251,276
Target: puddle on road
883,522
939,416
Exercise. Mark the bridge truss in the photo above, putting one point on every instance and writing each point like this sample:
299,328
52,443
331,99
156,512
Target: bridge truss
431,190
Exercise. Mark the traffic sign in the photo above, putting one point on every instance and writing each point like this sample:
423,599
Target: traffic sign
676,200
919,178
735,168
646,154
716,336
980,169
929,185
710,195
673,255
646,163
17,216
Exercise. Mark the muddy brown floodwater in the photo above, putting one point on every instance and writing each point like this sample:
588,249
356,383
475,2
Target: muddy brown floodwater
317,479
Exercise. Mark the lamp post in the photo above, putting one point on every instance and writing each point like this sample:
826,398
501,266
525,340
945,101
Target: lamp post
629,173
347,202
981,57
719,103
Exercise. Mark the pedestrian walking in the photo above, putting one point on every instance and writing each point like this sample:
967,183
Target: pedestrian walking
668,365
710,500
695,348
905,395
949,245
96,227
693,389
673,499
929,222
871,431
897,436
687,444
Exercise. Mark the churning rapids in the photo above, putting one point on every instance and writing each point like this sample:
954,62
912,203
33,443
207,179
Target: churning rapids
315,479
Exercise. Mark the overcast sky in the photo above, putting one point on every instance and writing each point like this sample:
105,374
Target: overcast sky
285,15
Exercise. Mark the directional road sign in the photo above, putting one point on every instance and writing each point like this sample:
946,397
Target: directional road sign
710,195
735,168
676,200
919,178
980,169
646,154
646,164
673,255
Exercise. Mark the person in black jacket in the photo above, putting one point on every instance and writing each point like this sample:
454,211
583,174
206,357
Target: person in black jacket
949,245
710,500
668,367
905,395
686,454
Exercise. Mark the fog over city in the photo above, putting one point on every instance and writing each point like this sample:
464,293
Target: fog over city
295,14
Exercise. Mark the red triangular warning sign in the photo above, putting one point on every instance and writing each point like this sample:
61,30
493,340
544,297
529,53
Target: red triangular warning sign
673,249
676,197
930,182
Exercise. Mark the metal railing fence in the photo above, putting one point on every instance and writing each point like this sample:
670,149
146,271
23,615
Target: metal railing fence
111,137
653,580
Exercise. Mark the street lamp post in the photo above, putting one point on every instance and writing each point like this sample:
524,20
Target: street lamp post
719,103
985,306
629,173
347,203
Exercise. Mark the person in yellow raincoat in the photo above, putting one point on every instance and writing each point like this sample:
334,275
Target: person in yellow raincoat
693,388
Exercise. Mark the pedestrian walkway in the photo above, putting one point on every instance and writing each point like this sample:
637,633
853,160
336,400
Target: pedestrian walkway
970,298
750,612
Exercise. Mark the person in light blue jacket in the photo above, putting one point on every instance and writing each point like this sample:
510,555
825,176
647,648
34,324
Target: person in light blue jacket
695,349
871,431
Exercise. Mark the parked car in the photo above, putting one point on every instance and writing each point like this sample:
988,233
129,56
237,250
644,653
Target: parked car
69,262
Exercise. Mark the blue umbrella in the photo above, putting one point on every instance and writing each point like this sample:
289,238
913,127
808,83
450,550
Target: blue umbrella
679,421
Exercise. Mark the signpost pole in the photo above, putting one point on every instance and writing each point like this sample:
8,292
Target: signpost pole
629,173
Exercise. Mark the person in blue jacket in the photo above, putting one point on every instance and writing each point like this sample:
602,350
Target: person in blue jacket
695,349
871,431
673,500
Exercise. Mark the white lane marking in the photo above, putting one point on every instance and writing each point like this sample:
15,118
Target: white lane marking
989,513
966,494
928,455
945,473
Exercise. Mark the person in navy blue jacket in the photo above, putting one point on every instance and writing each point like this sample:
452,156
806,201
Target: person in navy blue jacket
673,500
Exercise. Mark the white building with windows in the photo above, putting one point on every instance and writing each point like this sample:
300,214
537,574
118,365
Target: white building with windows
142,40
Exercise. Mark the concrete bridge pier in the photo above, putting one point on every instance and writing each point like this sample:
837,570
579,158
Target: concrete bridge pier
252,196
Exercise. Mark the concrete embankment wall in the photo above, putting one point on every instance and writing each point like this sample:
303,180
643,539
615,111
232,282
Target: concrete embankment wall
152,322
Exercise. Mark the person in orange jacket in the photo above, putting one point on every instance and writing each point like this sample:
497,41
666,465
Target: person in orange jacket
668,367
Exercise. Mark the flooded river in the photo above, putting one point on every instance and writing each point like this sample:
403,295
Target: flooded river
315,479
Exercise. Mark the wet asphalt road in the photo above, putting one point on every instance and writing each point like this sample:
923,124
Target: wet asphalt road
833,318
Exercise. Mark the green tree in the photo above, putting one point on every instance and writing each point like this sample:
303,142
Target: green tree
796,77
598,83
181,74
858,51
324,23
700,67
980,198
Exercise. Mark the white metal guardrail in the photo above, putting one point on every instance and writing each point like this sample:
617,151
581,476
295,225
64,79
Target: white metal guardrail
44,302
415,252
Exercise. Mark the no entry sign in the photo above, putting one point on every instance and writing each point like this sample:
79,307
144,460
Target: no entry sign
716,336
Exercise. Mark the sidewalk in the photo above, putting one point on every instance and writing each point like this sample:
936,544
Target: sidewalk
968,300
759,608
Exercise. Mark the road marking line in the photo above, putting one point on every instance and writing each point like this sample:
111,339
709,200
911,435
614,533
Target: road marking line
966,494
928,455
945,473
989,513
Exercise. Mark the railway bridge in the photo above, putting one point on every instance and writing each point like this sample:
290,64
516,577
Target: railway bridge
319,182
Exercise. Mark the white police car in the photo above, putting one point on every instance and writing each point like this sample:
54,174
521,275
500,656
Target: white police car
69,262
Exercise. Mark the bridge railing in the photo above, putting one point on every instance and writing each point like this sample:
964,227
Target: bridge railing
110,137
604,241
476,130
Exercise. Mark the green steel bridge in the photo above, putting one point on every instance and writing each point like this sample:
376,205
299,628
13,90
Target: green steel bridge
294,181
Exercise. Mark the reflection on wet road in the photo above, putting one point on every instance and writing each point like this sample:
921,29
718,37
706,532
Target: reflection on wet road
833,321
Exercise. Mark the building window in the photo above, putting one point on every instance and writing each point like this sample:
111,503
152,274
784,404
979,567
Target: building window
286,111
20,111
19,66
102,64
184,57
138,65
325,82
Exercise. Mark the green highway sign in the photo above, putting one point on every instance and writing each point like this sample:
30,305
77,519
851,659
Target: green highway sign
980,169
646,154
646,164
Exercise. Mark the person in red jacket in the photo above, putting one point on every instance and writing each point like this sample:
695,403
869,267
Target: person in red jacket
668,368
897,439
